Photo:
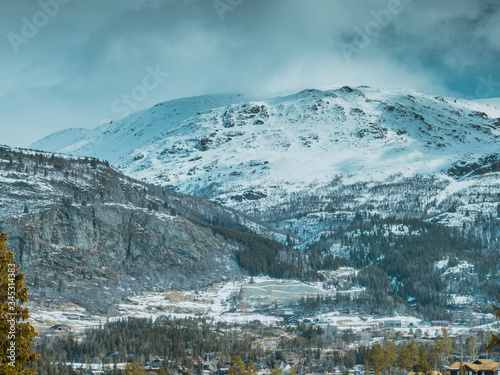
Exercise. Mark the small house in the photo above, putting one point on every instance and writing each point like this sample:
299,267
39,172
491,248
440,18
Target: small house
391,323
61,327
478,367
440,323
290,317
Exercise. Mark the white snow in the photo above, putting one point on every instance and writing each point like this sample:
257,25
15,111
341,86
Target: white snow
259,154
287,143
440,264
215,302
461,268
494,102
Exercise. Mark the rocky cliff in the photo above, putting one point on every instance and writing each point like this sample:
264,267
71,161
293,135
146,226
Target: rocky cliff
112,241
80,229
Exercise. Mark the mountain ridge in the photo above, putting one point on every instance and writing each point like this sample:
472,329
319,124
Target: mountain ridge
78,227
329,123
355,176
317,145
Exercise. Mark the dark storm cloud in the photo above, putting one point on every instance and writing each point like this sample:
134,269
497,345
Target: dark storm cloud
95,60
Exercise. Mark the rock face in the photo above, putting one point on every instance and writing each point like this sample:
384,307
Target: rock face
300,162
32,181
79,228
109,250
108,241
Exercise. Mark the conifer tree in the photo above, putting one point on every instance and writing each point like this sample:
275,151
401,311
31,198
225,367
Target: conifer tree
423,362
404,360
494,340
442,348
376,359
251,369
16,334
135,368
414,353
471,345
390,353
275,370
237,366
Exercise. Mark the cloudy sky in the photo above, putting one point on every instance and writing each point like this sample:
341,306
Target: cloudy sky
77,63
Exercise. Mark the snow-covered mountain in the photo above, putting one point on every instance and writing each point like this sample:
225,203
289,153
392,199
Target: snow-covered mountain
494,102
389,182
284,158
80,223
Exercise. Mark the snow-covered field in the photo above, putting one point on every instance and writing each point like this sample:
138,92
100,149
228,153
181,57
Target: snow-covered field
232,302
215,302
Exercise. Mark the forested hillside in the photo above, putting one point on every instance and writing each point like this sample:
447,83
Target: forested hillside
79,227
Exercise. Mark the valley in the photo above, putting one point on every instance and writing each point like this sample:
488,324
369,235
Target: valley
336,209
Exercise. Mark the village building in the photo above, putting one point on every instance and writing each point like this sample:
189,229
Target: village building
440,323
478,367
423,373
390,324
61,327
290,317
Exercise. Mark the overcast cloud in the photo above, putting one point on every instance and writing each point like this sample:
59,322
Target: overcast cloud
73,68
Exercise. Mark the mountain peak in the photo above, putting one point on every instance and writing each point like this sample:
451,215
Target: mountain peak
225,146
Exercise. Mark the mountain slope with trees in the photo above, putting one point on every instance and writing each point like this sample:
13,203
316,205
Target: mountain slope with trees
78,227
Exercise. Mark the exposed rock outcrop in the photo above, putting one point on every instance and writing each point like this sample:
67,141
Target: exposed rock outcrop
109,241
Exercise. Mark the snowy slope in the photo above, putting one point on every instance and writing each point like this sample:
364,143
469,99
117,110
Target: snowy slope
310,135
36,181
139,130
256,154
494,102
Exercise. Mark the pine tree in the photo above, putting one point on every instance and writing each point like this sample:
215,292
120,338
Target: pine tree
135,368
442,348
17,335
390,353
275,370
472,347
237,366
251,369
376,359
494,340
404,360
414,353
423,362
